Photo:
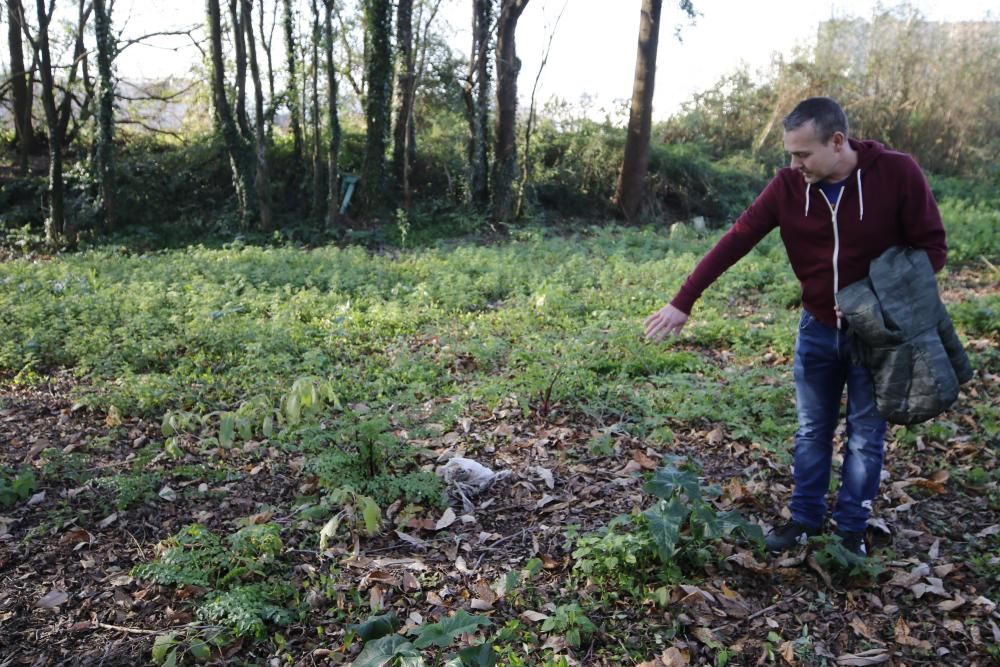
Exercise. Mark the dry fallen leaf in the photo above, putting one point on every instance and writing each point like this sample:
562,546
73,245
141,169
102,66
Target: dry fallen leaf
672,657
533,616
875,656
992,530
52,599
646,462
951,605
546,476
859,627
907,579
903,637
787,651
746,560
446,519
705,636
954,625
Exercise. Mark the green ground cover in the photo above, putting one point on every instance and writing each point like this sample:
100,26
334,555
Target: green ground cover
352,361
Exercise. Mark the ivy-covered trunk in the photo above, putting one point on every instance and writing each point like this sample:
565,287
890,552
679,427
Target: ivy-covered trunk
262,177
292,90
21,87
333,121
404,137
632,180
240,157
378,74
479,103
505,141
104,153
240,58
317,150
55,223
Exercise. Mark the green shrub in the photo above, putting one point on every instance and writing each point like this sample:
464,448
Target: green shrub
668,542
239,572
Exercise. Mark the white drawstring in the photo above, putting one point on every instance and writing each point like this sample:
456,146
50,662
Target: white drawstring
807,199
861,199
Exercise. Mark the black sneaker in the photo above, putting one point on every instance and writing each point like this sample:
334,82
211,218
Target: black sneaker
853,542
789,535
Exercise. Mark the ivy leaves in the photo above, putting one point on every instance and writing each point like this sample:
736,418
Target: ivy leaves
384,647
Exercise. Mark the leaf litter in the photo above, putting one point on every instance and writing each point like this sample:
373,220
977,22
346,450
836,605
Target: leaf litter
67,595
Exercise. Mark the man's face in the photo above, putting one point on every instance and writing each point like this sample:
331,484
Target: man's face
812,158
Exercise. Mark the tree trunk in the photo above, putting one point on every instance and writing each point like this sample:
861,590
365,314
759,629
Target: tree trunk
378,70
235,145
266,45
333,121
240,56
477,103
21,83
632,180
104,155
65,110
403,148
262,178
505,142
55,224
292,91
318,197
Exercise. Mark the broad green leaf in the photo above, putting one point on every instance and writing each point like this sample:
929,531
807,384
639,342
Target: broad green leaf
668,480
371,514
171,660
665,521
161,645
172,449
245,428
533,567
705,520
167,426
293,408
200,650
268,426
227,429
377,626
448,629
381,652
477,656
511,581
24,484
329,531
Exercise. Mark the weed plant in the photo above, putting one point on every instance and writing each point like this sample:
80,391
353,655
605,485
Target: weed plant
243,574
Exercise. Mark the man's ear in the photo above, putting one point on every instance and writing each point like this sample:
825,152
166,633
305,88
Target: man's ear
839,140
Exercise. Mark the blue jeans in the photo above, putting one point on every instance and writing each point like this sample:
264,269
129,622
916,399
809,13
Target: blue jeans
822,368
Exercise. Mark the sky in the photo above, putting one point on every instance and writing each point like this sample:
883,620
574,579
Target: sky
594,47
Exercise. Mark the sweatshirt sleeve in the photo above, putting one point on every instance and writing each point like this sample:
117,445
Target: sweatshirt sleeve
922,227
746,232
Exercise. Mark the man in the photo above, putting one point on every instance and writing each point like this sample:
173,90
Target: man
839,205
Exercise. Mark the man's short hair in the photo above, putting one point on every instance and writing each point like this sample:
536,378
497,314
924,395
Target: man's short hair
823,111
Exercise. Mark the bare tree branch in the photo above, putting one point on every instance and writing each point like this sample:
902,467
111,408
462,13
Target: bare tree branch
152,97
150,128
348,71
162,33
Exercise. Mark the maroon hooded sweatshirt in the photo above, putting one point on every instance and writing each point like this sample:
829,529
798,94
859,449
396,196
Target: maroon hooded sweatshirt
885,202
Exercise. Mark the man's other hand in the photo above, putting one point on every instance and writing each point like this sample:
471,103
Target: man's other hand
667,321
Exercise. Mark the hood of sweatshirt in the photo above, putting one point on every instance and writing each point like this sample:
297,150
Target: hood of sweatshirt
868,152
